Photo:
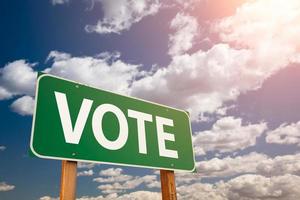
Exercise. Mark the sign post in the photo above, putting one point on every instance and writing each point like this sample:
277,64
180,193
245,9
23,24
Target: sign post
76,122
68,180
168,185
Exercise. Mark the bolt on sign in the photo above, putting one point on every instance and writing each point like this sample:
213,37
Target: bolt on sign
76,122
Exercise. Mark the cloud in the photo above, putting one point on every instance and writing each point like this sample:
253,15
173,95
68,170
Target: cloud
118,187
142,195
85,165
59,2
103,71
229,166
245,187
136,195
2,148
258,187
17,78
186,28
111,172
186,178
117,182
48,198
198,82
23,105
285,134
227,135
120,15
273,49
4,187
86,173
112,179
254,163
202,81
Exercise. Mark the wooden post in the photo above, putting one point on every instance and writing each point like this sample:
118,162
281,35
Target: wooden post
168,185
68,180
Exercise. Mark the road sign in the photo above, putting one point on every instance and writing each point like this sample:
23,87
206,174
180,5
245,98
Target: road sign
76,122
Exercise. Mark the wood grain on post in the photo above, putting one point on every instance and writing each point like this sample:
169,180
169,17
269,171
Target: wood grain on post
68,180
168,185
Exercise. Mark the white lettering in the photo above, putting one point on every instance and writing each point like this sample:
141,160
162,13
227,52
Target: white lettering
98,131
72,135
141,118
162,136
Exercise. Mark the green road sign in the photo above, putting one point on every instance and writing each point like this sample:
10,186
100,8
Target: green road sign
77,122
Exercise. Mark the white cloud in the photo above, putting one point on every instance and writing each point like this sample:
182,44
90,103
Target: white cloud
2,148
111,172
17,78
86,173
204,80
103,71
86,165
48,198
245,187
23,105
248,187
182,178
136,195
227,135
252,163
285,134
280,165
118,187
198,82
117,182
200,191
4,187
229,166
273,49
59,2
188,4
186,28
112,179
141,195
120,15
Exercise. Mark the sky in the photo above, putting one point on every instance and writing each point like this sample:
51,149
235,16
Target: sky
234,65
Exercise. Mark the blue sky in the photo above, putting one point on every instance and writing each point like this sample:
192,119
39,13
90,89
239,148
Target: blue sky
234,65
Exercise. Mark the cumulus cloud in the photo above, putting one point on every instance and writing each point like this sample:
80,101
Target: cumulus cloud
198,82
227,135
252,163
120,15
202,81
259,187
23,105
186,28
111,172
114,181
17,78
229,166
48,198
118,187
4,187
86,173
137,195
285,134
103,71
245,187
85,165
